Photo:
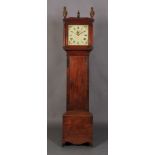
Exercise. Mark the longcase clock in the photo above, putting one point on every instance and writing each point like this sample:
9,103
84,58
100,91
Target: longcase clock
78,42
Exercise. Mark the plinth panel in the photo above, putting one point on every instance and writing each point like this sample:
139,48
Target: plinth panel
77,127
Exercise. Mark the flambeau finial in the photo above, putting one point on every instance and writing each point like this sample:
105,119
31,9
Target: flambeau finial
92,12
65,12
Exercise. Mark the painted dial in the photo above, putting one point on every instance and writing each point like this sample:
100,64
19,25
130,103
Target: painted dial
78,35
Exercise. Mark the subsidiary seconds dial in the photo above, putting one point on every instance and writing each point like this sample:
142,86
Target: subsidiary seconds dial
78,35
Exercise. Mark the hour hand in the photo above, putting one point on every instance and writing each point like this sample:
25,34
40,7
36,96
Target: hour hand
73,32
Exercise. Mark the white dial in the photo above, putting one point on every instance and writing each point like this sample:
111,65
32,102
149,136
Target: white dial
77,34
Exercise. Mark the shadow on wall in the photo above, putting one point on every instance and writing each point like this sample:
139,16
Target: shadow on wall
54,133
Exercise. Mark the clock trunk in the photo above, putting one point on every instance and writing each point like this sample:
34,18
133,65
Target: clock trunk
77,83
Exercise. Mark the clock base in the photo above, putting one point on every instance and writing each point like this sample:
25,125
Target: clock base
77,127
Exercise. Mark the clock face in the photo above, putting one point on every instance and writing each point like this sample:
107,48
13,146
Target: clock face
78,35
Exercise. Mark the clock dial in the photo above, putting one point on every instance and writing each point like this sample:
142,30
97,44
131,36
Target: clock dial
78,35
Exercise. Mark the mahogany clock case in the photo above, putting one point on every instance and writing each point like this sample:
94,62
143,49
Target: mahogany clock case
77,121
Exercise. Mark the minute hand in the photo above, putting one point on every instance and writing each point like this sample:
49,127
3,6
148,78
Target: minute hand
81,32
